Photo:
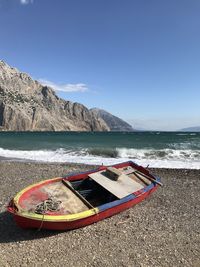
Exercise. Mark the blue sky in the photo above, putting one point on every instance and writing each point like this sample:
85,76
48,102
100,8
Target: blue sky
138,59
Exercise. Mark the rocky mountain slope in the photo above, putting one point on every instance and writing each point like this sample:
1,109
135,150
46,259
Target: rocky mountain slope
26,105
113,122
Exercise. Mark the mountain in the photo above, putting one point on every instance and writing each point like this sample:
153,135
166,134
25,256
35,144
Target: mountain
114,123
27,105
191,129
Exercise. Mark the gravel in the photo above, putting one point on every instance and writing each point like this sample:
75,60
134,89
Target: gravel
164,230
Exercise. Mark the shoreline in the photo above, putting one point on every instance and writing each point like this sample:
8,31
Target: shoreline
161,231
16,160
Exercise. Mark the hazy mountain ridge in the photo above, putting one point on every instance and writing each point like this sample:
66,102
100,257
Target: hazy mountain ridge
27,105
191,129
114,123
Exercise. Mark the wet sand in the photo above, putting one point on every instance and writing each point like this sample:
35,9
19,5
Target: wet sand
164,230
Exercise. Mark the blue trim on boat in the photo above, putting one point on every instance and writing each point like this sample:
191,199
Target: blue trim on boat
116,202
128,198
149,187
120,201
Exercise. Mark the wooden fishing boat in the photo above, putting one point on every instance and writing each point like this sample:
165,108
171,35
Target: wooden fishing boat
81,199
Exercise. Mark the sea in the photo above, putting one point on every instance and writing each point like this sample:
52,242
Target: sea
153,149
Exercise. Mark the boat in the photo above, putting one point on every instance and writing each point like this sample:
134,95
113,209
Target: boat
77,200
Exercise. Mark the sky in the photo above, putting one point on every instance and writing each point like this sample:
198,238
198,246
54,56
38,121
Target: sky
137,59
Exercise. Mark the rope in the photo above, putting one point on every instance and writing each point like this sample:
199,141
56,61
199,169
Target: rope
49,204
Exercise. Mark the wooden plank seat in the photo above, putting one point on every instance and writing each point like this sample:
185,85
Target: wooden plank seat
120,187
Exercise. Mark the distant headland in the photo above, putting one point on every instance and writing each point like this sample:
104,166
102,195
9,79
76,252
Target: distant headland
27,105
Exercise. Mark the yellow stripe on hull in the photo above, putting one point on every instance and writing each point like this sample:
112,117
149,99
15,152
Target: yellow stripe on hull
59,218
51,218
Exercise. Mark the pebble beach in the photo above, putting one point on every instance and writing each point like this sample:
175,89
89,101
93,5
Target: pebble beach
163,230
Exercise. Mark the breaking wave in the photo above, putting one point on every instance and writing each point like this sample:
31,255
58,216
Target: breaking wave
162,158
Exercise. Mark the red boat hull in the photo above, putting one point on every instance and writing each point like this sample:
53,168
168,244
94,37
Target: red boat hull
29,223
103,213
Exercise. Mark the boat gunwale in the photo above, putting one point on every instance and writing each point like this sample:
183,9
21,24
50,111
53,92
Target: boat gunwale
80,215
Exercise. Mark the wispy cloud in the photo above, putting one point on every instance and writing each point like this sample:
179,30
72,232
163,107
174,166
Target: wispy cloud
26,2
68,87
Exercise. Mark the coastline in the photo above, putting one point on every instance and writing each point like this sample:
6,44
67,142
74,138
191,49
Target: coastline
161,231
158,150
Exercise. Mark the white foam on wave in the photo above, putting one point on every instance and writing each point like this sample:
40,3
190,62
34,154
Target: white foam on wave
186,134
175,159
36,155
162,154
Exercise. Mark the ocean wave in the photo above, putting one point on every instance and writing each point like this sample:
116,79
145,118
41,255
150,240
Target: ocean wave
107,152
182,134
191,145
166,158
162,154
185,134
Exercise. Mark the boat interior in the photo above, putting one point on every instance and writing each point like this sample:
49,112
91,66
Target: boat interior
69,197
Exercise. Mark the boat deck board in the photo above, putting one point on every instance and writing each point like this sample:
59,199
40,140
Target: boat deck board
70,203
123,187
